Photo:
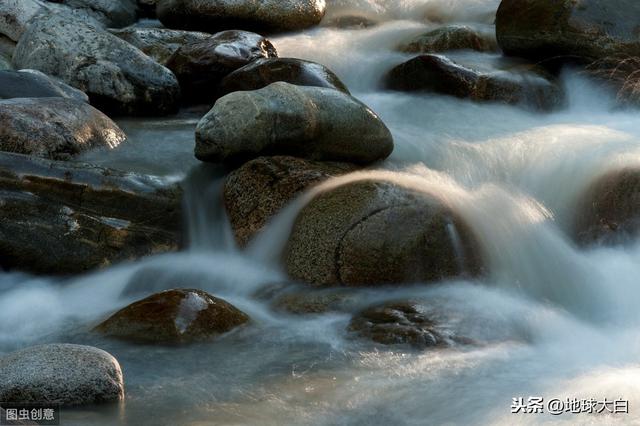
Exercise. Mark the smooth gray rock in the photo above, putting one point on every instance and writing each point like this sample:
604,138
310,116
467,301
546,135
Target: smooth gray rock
201,65
262,72
111,13
55,128
36,84
61,374
283,119
374,231
66,218
7,47
159,43
15,14
117,77
5,64
216,15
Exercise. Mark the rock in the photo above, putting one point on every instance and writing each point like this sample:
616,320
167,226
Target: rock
111,13
518,85
7,47
62,218
350,22
117,77
398,323
568,30
54,128
200,66
452,37
257,191
609,210
263,72
373,231
60,374
15,14
256,15
174,316
159,43
5,64
282,119
315,302
35,84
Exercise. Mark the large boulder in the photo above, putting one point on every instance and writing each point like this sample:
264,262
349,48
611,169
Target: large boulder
257,191
174,316
452,37
60,374
516,84
283,119
54,128
15,15
398,323
263,72
259,15
62,218
569,30
117,77
372,231
159,43
201,65
111,13
35,84
609,210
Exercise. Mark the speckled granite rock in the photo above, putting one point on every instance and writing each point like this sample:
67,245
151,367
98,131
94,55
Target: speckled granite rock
61,374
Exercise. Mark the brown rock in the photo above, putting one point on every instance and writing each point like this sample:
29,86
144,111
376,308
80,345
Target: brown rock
174,316
453,37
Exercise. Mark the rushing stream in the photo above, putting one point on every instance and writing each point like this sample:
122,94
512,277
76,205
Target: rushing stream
549,319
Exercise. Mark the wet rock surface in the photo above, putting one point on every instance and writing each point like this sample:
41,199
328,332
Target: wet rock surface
61,218
568,31
398,323
174,316
283,119
609,210
217,15
262,72
452,37
159,43
374,232
200,66
257,191
54,128
35,84
515,84
117,77
60,374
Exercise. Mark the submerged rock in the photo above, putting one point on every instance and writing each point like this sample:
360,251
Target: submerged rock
282,119
257,191
263,72
452,37
515,85
35,84
61,218
567,30
305,302
398,323
117,77
609,210
216,15
60,374
350,22
375,232
201,65
54,128
174,316
159,43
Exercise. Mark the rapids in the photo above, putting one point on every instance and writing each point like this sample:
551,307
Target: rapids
550,319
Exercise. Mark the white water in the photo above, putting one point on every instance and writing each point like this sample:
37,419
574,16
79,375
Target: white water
549,319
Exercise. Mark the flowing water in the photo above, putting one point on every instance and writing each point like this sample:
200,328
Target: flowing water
549,319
